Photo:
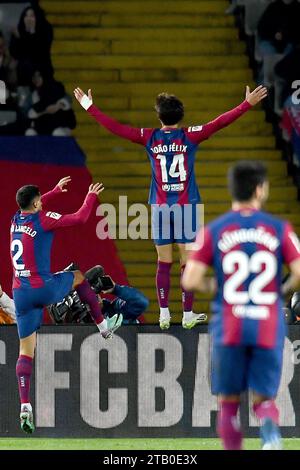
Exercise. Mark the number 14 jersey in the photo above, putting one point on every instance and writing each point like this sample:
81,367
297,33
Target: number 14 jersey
171,152
172,156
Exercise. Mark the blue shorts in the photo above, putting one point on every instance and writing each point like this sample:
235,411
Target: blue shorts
239,368
31,302
175,224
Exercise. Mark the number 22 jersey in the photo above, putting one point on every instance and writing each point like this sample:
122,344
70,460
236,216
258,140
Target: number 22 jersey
247,250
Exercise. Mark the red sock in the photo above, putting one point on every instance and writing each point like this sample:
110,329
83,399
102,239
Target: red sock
187,297
23,371
228,427
267,409
88,296
163,283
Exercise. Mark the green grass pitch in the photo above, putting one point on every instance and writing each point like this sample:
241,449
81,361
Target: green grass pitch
31,443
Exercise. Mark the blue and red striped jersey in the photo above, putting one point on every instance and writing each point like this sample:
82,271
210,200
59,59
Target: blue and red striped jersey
32,237
171,152
172,157
247,250
30,250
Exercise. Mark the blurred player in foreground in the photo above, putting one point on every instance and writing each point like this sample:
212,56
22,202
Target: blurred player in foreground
174,194
247,249
34,286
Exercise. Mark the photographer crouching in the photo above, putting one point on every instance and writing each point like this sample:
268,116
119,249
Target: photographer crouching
128,305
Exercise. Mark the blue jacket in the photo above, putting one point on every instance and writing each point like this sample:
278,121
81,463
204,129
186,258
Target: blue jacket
130,302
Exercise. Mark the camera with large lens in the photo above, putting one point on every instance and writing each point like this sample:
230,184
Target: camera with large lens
98,280
93,276
59,311
292,310
295,308
71,309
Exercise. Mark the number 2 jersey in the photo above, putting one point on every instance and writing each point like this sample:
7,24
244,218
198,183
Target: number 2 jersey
32,237
171,153
247,250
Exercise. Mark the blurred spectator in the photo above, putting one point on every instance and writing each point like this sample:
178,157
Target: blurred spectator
232,8
275,37
272,30
51,111
295,29
9,124
290,125
274,27
288,70
7,66
31,44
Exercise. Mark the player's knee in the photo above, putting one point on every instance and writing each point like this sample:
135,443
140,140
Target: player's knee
183,258
78,278
27,352
230,398
27,345
164,253
164,258
258,399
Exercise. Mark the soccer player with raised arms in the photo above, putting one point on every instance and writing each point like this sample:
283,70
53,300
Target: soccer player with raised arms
34,286
174,194
247,249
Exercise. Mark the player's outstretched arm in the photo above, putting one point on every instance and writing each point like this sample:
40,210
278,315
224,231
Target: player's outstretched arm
58,189
53,221
251,99
133,134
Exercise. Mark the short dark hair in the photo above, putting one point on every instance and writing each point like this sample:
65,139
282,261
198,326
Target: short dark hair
244,177
169,108
26,195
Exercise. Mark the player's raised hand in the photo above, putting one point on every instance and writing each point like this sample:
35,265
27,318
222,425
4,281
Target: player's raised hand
257,95
96,188
63,182
85,100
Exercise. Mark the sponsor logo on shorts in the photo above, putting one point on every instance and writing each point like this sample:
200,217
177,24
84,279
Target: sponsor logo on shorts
256,312
23,273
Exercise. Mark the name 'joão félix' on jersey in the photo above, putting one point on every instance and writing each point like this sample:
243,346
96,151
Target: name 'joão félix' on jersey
169,148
